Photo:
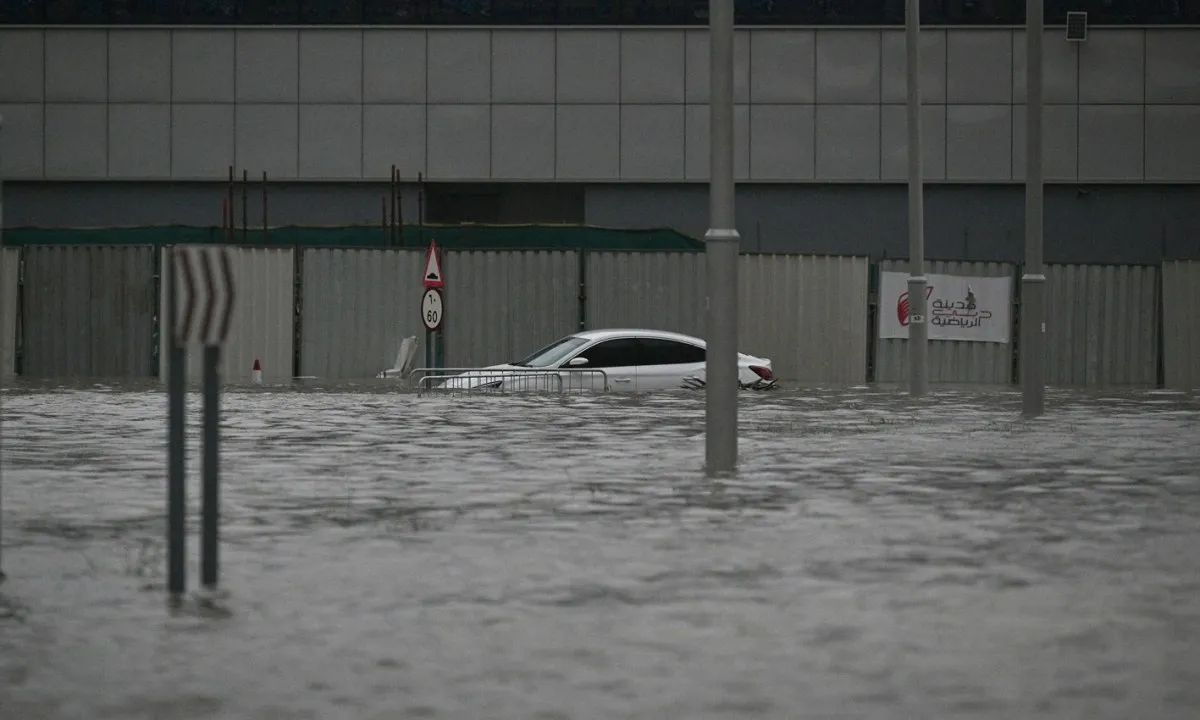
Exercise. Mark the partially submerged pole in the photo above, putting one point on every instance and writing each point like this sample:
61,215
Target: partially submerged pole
918,328
1033,281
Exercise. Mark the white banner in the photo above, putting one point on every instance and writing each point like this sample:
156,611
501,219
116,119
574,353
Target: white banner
977,309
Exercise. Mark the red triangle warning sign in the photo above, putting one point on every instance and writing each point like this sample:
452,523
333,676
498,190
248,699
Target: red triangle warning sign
432,277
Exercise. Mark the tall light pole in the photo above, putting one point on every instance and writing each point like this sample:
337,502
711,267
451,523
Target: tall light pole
918,328
2,340
1033,281
721,251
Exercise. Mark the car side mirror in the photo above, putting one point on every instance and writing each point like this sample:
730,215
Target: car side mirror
577,362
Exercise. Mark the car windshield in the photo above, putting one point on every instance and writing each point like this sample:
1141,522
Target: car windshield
553,353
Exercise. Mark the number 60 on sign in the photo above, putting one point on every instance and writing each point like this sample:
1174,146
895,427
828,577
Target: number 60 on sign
431,309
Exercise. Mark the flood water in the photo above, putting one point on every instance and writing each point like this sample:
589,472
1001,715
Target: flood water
393,556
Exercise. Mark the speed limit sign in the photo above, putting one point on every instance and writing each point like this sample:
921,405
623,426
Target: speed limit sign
431,309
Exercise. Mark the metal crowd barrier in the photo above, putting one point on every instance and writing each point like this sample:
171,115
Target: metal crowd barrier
526,380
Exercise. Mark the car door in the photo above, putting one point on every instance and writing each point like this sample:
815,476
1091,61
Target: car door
663,363
616,357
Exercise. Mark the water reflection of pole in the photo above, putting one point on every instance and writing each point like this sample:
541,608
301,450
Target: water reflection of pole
722,244
1033,281
918,328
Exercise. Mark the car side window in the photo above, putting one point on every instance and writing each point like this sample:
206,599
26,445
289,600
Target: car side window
621,352
656,351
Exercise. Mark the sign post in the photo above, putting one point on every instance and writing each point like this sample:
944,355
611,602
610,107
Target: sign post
200,307
432,305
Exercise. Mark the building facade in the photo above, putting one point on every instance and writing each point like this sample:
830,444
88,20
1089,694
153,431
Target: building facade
555,116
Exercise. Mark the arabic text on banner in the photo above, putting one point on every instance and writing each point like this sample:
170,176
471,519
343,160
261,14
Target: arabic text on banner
977,309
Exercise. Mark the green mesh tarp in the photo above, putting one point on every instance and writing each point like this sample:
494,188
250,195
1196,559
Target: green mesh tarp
456,237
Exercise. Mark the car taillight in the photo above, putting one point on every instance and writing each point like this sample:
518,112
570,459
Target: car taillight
762,372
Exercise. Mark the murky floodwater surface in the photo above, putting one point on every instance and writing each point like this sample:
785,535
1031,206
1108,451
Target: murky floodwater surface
389,556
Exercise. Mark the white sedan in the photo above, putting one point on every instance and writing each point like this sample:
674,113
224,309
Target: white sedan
616,360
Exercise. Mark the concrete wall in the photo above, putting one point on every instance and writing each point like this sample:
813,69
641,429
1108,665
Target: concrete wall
629,105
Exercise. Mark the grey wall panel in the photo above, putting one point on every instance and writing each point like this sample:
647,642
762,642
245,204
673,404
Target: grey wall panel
1102,325
394,67
203,66
1172,66
979,67
653,66
330,141
696,83
783,66
501,306
202,138
139,66
656,290
966,363
89,311
1112,67
1173,143
1111,139
807,314
331,66
76,66
267,139
1060,132
522,142
459,138
1181,324
139,141
894,61
588,66
523,66
76,141
848,66
10,266
782,142
267,66
696,121
358,306
459,66
588,142
652,139
262,326
1060,62
848,142
22,53
393,135
979,142
893,140
21,141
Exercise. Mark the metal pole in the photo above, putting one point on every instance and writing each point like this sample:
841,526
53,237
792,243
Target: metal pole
722,244
2,340
176,499
211,467
1033,282
918,328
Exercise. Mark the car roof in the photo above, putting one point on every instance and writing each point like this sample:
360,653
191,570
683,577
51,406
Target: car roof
609,333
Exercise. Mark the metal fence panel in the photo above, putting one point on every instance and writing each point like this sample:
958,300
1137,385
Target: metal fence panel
501,306
10,266
808,314
358,305
262,324
1101,325
1181,324
654,290
88,311
950,361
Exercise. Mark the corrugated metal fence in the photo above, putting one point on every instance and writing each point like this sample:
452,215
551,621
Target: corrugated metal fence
1181,324
1102,325
88,311
950,361
262,326
358,305
10,267
503,305
807,314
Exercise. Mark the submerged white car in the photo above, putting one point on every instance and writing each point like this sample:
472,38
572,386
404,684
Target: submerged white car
610,360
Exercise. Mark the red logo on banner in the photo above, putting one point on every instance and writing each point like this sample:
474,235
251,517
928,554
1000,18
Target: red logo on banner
902,305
